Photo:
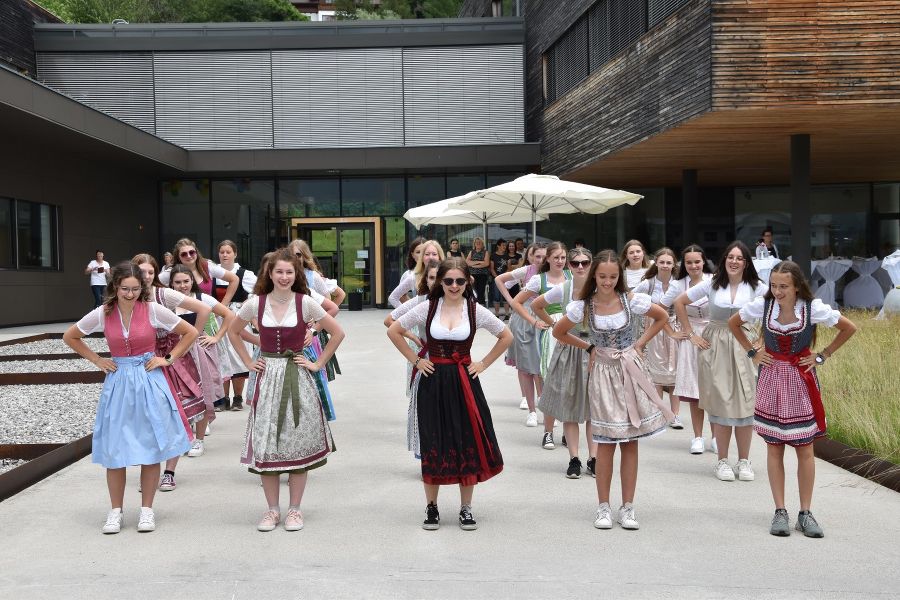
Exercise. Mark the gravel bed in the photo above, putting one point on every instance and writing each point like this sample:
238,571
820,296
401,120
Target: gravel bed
46,366
8,464
47,414
51,347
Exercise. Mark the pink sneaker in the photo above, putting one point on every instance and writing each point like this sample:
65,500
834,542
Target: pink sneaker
269,521
294,520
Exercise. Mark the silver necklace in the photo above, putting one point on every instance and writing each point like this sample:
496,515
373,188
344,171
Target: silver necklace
279,300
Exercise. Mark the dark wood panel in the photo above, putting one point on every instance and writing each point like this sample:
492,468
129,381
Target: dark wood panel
17,18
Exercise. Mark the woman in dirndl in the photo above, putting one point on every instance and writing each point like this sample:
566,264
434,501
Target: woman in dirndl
694,270
624,404
234,374
287,431
662,350
525,352
137,417
552,274
789,409
565,385
456,432
726,376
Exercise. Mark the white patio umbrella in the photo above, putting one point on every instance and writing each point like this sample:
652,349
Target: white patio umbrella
531,196
439,213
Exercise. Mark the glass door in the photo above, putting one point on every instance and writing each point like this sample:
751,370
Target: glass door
345,252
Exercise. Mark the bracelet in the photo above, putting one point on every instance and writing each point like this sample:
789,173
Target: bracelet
416,364
590,348
691,334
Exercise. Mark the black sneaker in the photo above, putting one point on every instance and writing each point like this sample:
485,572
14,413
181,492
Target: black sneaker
547,442
565,445
219,405
574,470
432,517
591,466
466,520
237,403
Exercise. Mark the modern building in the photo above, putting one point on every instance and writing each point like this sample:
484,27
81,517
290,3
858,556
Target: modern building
729,115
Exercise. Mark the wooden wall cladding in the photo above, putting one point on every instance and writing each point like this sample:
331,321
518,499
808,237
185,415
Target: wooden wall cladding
17,19
795,52
657,83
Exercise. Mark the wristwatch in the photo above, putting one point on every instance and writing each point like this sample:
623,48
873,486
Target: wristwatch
751,352
820,359
168,358
590,348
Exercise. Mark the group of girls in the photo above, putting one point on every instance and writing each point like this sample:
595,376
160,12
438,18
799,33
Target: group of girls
681,330
167,332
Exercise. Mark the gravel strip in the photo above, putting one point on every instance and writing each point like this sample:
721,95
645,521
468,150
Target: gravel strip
8,464
52,347
47,414
46,366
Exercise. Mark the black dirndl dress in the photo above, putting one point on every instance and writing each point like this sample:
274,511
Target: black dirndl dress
456,433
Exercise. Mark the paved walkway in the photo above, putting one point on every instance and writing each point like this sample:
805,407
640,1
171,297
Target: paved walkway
699,538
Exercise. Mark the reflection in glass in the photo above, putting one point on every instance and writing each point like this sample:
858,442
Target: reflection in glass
309,198
7,257
371,196
36,234
245,214
185,213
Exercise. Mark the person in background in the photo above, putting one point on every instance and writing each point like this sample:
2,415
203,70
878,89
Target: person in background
97,269
168,260
498,267
767,238
478,263
520,250
454,250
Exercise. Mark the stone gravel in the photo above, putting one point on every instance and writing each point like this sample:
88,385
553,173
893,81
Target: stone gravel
44,366
51,347
8,464
31,414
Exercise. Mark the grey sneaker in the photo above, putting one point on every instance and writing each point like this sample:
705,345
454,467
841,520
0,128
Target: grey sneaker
807,524
780,524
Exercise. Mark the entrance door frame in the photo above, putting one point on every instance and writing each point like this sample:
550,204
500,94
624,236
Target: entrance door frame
377,242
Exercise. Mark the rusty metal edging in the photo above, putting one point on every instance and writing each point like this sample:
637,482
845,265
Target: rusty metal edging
52,378
859,462
22,477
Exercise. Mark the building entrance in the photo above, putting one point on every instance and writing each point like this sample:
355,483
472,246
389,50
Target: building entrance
349,250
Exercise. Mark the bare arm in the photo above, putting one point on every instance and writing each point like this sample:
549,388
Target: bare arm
330,307
397,333
336,333
220,310
538,306
338,295
660,317
233,283
518,305
195,306
500,282
680,304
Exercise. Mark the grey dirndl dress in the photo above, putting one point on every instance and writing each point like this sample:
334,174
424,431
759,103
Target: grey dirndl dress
565,386
525,352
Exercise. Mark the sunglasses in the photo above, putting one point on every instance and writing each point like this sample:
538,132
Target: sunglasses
298,255
187,253
579,263
448,281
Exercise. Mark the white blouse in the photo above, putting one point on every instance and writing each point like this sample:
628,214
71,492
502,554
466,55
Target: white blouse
484,319
722,296
407,306
170,298
518,276
160,318
633,277
534,284
407,284
248,281
206,299
657,293
554,295
639,304
684,284
819,312
214,270
318,284
312,311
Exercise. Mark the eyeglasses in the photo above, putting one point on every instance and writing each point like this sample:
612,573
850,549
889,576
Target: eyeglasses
448,281
187,253
128,290
579,263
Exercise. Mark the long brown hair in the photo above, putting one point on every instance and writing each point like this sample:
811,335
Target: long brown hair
410,259
551,248
653,270
590,284
201,261
140,259
264,284
448,264
682,269
804,292
183,270
623,258
119,273
749,276
422,287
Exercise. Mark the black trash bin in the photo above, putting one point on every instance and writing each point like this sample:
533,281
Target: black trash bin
354,300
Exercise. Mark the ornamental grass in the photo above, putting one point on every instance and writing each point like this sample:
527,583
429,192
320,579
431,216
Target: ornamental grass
861,385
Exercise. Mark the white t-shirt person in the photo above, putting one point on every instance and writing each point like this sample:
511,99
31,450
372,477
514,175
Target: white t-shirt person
98,269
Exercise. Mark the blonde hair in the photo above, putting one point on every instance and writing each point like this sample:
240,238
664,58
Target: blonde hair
420,263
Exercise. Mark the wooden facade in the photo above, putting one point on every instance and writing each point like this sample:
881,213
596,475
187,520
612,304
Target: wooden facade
17,21
720,86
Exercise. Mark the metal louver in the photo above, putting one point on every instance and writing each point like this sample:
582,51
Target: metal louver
337,98
658,10
214,100
463,95
119,84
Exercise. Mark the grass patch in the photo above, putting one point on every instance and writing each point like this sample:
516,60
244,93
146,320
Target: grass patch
861,385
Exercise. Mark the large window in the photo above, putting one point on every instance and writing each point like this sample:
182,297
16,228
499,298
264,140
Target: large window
245,214
370,196
186,214
29,235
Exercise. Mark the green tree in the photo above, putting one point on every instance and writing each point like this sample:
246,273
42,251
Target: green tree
392,9
173,11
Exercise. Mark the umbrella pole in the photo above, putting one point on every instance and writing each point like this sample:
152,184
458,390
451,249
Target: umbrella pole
484,229
533,225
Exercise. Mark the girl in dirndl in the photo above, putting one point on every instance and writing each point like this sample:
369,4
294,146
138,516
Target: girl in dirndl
137,417
406,288
234,374
565,385
662,349
552,274
693,271
789,408
287,431
624,404
456,432
726,376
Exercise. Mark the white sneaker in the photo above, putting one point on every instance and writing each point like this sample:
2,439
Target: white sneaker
745,470
604,517
523,405
531,421
724,472
146,522
676,423
626,518
196,449
714,447
114,521
697,445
